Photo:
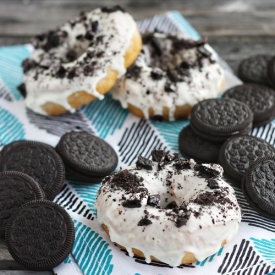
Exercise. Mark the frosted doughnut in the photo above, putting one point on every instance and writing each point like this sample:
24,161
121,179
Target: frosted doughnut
80,61
171,74
132,207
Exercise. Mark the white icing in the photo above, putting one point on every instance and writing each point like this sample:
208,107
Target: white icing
117,29
202,235
195,87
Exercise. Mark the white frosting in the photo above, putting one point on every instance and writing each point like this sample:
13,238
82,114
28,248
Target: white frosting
42,85
206,228
203,82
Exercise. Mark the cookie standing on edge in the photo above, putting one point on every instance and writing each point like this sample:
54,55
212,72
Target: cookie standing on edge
259,98
239,152
40,235
39,161
258,186
201,150
86,157
219,119
16,189
254,69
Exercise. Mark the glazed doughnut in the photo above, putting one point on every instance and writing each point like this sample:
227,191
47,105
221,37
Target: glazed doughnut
80,61
169,210
171,74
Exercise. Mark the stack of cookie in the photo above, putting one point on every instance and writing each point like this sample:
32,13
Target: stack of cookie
212,122
38,232
258,74
219,128
87,158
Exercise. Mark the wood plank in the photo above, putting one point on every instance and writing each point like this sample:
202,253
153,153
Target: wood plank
211,18
234,48
6,261
231,48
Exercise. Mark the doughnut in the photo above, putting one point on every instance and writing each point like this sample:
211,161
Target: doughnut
168,210
171,74
80,61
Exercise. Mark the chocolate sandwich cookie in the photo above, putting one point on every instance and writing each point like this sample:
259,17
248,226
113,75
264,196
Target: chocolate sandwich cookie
201,150
271,72
40,235
16,189
259,98
254,69
220,118
258,186
78,177
88,155
238,153
7,147
39,161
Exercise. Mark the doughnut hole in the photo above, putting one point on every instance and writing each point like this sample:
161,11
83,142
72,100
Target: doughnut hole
171,205
80,98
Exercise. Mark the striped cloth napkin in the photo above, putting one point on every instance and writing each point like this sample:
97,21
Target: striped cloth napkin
251,252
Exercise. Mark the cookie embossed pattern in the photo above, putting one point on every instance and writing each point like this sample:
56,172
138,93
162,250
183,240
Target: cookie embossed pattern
39,161
40,235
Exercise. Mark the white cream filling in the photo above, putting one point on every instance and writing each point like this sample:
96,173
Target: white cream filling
202,235
203,83
116,27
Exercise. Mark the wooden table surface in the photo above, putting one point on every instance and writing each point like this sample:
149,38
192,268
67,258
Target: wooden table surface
236,29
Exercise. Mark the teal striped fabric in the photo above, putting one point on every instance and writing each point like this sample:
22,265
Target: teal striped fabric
266,248
210,259
91,251
87,194
105,115
170,135
11,128
10,67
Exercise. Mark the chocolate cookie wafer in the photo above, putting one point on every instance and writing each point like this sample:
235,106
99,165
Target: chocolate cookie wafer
258,186
7,147
259,98
16,189
220,118
40,235
201,150
254,69
86,156
238,153
39,161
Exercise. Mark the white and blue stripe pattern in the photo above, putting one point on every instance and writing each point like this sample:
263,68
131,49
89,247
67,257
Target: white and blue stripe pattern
171,137
11,71
91,252
266,248
87,194
11,128
106,115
